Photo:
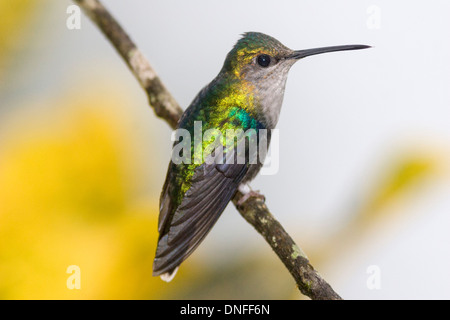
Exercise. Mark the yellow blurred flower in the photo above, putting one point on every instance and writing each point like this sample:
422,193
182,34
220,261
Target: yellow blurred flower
65,200
16,18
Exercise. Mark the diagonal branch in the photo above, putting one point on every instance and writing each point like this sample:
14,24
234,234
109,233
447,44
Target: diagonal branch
159,98
254,210
308,280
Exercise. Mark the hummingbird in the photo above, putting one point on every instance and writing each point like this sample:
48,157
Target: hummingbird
247,94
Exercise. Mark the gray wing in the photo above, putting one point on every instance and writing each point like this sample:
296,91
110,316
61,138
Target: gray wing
212,187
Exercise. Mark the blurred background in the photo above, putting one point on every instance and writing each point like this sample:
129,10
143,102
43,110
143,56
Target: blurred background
363,185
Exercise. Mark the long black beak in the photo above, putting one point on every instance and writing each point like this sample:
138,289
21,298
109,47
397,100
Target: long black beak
309,52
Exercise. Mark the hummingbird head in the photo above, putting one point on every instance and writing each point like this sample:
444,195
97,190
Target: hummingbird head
256,56
263,62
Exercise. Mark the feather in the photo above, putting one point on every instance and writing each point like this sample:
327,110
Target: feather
213,186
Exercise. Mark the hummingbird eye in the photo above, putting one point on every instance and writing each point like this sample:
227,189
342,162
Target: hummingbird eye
263,60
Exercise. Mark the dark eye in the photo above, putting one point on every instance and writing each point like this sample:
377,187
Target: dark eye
263,60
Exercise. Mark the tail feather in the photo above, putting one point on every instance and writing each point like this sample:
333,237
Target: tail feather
168,276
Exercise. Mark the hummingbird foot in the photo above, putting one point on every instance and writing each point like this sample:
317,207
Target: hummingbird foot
249,193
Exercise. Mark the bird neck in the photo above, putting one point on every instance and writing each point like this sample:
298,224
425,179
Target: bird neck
261,101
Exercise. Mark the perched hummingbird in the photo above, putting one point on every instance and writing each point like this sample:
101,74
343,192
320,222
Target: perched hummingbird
246,94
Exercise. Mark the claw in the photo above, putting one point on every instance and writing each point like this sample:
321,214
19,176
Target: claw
251,194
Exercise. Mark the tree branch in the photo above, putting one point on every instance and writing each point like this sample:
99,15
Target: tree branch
159,98
308,280
254,210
